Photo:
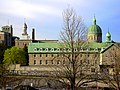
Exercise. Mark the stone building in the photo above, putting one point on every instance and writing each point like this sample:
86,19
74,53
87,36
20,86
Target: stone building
94,52
44,53
6,35
25,40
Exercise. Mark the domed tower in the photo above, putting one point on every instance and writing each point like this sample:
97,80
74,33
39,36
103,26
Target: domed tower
108,37
94,32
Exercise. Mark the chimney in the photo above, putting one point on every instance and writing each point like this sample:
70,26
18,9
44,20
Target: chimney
33,34
11,28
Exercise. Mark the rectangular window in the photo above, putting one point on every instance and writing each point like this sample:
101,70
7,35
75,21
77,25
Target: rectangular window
34,55
63,61
40,55
46,55
51,61
57,55
58,61
80,61
46,61
34,62
88,55
52,55
40,61
92,69
88,61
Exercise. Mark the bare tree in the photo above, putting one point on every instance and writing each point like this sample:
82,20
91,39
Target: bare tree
73,36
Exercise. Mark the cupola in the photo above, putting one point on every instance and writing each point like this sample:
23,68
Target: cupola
94,32
108,37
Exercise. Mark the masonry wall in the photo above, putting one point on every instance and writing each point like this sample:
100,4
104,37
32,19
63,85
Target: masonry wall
90,60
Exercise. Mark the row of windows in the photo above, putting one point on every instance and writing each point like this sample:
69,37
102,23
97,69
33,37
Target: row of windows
22,43
63,62
48,61
54,55
58,62
65,49
46,55
51,49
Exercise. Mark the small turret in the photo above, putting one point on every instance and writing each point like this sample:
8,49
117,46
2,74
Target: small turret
108,37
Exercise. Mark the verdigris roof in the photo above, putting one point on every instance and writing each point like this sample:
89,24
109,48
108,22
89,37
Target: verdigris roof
97,45
42,47
50,47
108,34
94,28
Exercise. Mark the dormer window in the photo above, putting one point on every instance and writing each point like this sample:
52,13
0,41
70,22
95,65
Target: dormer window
52,49
40,49
88,49
64,49
58,49
35,49
69,49
43,49
46,49
81,49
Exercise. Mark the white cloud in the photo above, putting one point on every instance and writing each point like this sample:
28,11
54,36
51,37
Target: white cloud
27,10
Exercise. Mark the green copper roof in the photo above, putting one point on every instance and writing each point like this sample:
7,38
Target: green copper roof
42,47
97,45
108,34
108,37
100,47
54,47
94,29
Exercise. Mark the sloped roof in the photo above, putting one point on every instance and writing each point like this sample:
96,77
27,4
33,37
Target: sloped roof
97,45
36,47
44,47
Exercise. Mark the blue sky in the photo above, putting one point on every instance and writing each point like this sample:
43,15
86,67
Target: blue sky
46,15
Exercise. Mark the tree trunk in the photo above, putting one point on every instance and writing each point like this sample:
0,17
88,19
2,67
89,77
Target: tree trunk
73,85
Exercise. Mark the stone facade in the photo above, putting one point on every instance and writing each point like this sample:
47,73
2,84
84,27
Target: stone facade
22,43
46,53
